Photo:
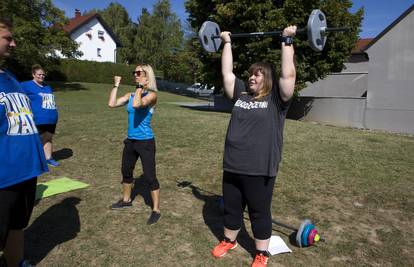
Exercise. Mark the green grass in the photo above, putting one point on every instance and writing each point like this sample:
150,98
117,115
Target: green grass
355,185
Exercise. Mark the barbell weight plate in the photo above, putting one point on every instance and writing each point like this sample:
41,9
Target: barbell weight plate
311,236
300,231
316,26
305,234
207,30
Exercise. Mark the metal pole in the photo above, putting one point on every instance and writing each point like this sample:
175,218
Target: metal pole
278,32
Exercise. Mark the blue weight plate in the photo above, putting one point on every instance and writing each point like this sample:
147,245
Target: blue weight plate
300,231
305,234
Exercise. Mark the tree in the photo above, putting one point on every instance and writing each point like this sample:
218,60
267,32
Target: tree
38,33
158,35
247,16
183,65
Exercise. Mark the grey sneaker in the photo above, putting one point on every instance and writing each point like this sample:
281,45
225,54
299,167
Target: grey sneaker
121,204
154,217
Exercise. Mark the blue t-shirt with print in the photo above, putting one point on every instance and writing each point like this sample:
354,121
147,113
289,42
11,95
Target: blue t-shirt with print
21,151
42,102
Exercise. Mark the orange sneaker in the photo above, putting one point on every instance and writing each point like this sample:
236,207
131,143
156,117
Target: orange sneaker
221,249
261,259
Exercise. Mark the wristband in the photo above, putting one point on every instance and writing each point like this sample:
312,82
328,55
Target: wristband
288,40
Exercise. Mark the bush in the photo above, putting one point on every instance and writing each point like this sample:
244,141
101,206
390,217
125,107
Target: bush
72,70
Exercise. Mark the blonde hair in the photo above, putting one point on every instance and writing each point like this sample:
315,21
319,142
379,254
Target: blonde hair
149,72
265,69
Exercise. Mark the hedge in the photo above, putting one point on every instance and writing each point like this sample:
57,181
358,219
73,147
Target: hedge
72,70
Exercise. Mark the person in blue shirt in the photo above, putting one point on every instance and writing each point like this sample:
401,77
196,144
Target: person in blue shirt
44,109
140,142
21,157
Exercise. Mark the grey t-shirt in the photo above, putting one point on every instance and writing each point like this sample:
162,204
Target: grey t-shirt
254,137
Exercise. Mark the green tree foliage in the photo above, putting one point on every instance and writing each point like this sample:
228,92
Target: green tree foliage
158,35
240,16
38,33
183,65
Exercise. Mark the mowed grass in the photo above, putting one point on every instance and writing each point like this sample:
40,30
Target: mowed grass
355,185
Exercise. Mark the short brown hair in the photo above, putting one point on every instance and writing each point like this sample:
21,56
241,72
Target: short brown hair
36,67
6,23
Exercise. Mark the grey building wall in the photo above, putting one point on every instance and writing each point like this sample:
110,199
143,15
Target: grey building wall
390,97
338,111
389,87
339,99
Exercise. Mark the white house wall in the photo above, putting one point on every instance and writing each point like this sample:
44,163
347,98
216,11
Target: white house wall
89,46
390,97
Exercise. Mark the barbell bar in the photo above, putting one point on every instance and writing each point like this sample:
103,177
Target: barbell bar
316,29
306,236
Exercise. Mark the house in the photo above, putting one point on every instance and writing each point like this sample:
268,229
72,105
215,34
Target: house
375,91
96,40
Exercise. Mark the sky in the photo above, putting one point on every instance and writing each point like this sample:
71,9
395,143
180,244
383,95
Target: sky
379,14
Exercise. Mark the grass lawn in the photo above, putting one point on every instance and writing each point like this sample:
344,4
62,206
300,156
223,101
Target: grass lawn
357,187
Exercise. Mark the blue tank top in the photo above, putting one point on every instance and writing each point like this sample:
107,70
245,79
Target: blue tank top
21,151
42,102
139,121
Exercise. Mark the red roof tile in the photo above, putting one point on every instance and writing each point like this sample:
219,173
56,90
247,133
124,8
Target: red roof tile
78,21
360,45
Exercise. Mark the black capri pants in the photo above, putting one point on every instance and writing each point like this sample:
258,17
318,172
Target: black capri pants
254,191
144,149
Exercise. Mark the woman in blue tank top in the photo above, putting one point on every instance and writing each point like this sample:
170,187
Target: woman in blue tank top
140,142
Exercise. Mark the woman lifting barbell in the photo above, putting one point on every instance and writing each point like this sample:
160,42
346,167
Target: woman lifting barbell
140,142
253,144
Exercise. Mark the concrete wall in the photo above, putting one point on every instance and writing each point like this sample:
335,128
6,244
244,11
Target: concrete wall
339,111
89,46
339,99
390,97
351,82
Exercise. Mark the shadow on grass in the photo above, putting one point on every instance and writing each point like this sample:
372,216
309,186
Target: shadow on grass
209,108
213,218
141,188
66,86
63,153
58,224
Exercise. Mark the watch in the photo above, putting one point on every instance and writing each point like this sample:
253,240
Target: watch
288,40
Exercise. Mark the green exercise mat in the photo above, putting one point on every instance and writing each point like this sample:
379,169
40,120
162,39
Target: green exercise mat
57,186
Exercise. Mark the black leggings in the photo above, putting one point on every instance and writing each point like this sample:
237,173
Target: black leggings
144,149
255,192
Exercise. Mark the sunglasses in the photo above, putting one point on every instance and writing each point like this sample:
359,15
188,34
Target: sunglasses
138,72
40,75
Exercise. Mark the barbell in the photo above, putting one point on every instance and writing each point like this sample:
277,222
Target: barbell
306,235
316,29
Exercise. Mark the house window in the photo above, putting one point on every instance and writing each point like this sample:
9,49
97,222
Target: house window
89,34
101,35
98,52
